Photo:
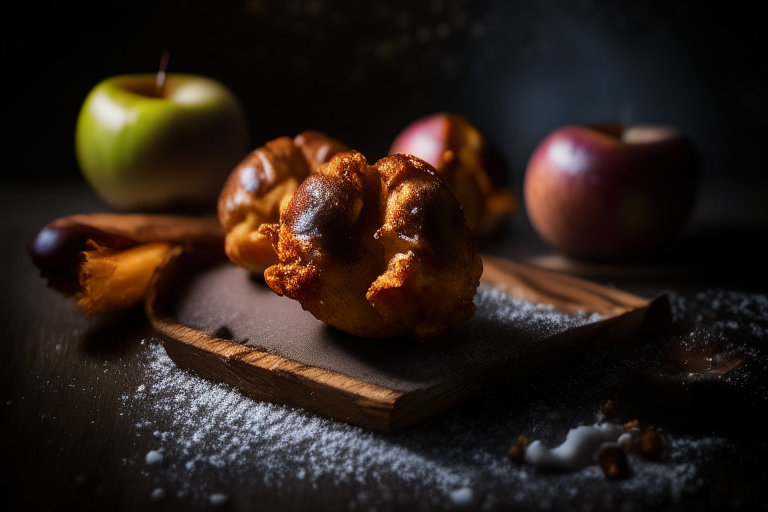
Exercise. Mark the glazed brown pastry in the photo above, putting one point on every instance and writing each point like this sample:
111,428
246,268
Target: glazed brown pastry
464,158
377,250
259,187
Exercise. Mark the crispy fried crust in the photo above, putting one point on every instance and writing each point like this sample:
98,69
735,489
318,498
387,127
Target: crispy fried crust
377,250
465,166
260,186
464,158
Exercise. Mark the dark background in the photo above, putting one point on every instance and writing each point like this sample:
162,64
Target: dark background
362,70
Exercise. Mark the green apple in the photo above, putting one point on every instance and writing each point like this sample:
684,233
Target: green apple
147,147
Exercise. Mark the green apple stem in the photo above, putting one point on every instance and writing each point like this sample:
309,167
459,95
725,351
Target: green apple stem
166,55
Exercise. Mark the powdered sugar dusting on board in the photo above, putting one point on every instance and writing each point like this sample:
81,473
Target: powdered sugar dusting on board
214,440
499,306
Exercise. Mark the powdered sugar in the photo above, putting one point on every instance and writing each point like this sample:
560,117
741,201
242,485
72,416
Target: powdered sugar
153,457
217,443
218,499
513,312
462,496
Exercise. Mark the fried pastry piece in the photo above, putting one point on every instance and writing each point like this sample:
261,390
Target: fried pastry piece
260,186
377,250
104,262
465,159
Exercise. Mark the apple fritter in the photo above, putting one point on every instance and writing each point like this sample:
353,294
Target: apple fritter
258,189
465,159
376,250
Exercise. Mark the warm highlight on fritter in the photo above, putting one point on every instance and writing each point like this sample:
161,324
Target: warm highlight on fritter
376,250
260,186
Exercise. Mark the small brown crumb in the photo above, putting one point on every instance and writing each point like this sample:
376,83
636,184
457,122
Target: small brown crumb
631,424
517,450
651,444
610,408
613,461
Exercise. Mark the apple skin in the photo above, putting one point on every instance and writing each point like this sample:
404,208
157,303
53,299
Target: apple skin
466,161
610,192
144,148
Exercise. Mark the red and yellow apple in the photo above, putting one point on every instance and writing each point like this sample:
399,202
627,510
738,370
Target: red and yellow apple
144,146
464,159
611,192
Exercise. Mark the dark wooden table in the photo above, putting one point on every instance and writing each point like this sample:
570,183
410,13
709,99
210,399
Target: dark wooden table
89,403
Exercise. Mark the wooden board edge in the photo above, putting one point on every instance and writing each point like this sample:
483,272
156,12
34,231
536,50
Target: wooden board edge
564,292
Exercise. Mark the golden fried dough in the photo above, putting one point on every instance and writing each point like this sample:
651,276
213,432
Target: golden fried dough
463,157
260,186
377,250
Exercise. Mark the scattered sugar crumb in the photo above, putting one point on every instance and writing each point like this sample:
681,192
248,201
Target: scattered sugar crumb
462,496
218,499
153,457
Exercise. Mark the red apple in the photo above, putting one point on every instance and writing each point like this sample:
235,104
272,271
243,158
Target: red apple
611,192
463,157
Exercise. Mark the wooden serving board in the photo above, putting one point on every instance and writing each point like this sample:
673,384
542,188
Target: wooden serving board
222,324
